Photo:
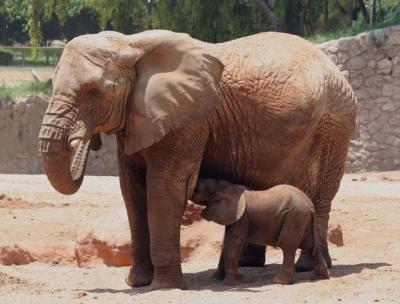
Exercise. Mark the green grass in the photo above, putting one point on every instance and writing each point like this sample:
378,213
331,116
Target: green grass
26,88
348,31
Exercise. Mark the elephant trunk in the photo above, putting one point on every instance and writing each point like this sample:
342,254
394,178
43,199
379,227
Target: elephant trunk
64,160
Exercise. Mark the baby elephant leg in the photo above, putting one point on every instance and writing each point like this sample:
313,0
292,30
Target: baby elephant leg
320,269
232,248
286,275
220,273
289,240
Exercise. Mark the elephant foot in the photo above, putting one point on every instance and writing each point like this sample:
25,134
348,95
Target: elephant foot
283,278
168,277
252,256
169,284
140,275
304,264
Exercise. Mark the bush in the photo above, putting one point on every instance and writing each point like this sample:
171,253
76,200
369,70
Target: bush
6,57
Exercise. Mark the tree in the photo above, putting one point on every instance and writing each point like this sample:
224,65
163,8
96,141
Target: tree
268,7
34,25
126,16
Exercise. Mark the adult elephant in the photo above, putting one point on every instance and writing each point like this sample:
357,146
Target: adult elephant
262,110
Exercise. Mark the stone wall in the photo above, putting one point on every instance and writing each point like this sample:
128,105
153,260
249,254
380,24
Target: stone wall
371,62
20,122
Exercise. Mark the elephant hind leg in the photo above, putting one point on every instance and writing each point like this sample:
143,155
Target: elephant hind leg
321,180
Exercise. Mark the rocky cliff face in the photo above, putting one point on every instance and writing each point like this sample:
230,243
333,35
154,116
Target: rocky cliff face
371,62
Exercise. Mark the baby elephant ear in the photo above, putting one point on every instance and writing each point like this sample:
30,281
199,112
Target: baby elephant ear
225,210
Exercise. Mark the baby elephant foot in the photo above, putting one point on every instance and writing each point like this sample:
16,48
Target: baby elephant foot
283,278
320,276
140,275
231,281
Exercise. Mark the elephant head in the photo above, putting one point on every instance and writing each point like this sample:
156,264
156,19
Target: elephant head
227,206
143,85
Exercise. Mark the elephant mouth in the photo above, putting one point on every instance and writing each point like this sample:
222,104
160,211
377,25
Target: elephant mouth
206,215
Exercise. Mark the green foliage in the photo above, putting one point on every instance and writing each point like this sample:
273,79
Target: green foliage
389,11
126,16
13,18
26,88
208,20
6,57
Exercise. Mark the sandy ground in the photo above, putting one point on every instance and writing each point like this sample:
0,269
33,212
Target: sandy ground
366,269
12,76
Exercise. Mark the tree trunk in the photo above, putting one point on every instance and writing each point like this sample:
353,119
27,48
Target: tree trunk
294,17
349,11
373,11
364,11
326,13
268,7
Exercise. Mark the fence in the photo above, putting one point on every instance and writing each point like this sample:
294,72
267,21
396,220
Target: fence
29,56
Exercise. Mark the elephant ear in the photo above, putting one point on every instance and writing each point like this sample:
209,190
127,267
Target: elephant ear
176,84
225,209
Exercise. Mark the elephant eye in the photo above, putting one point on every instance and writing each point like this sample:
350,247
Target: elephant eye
111,85
93,93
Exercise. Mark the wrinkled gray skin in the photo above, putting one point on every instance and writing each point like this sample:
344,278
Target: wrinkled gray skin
282,216
258,111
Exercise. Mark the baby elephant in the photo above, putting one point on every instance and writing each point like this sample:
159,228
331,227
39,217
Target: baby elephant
282,216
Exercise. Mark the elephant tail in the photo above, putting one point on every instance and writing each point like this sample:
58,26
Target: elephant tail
314,232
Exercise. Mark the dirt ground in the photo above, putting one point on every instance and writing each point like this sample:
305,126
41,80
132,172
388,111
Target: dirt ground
366,269
12,76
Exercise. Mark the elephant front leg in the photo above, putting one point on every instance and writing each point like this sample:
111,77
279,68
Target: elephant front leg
172,169
166,204
132,175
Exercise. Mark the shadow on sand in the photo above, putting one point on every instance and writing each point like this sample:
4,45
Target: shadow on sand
253,278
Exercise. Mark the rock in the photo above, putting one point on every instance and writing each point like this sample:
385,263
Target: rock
332,49
377,37
387,90
384,66
356,63
344,44
335,235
